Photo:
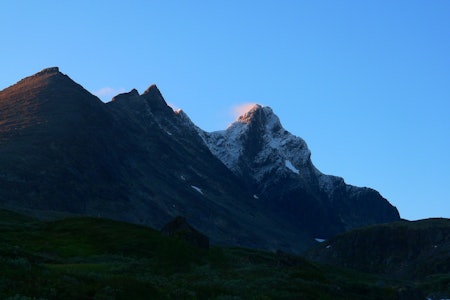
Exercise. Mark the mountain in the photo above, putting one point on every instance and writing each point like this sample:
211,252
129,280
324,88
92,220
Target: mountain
276,167
63,151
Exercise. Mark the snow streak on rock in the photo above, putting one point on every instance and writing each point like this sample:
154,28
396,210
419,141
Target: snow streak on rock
197,189
291,167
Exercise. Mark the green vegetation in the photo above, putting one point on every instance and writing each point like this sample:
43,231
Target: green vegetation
88,258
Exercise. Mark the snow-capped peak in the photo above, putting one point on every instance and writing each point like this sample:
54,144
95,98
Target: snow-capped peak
248,116
257,141
262,115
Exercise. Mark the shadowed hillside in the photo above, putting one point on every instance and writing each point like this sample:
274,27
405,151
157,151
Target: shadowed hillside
90,258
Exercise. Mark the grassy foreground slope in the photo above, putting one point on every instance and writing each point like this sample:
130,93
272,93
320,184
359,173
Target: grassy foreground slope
88,258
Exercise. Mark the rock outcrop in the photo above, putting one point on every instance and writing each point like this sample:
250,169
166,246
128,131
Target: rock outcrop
180,228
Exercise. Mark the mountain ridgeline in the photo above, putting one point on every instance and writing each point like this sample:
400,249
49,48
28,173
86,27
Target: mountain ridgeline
134,159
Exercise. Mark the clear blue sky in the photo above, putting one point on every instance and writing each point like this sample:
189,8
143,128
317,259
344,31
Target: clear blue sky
365,83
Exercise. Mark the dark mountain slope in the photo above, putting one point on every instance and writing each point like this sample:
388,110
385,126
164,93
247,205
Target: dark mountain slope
54,145
94,258
405,249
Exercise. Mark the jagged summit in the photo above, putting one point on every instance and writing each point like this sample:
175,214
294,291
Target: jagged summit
256,113
125,96
156,101
36,80
47,97
249,115
260,116
151,102
51,70
153,90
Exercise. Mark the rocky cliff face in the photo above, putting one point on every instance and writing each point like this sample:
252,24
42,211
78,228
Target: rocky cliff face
278,171
135,159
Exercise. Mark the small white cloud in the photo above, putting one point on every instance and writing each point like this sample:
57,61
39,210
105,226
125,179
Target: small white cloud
106,93
240,109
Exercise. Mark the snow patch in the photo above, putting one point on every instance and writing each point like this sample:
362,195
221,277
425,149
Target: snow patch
320,240
183,178
169,133
255,196
197,189
291,167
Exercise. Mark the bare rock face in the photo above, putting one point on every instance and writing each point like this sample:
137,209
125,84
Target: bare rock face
180,228
54,146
